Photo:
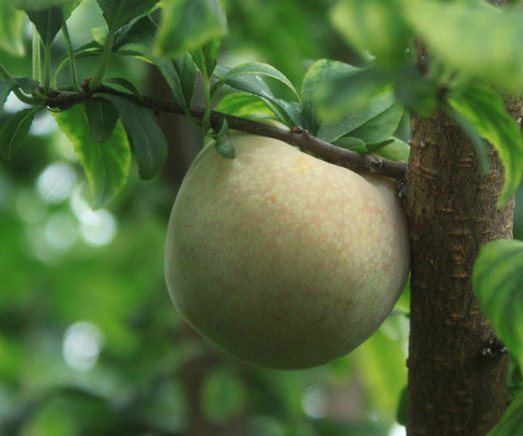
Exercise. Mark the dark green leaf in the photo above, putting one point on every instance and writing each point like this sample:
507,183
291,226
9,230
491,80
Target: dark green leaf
313,83
457,33
512,422
205,57
223,395
6,86
11,30
124,83
69,7
101,117
381,127
498,283
106,164
338,90
47,22
26,84
14,131
188,24
120,12
138,35
180,75
485,110
256,69
223,142
147,140
35,5
287,111
373,26
375,107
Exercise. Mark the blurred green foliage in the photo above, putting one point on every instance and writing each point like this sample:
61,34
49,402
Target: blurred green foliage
90,343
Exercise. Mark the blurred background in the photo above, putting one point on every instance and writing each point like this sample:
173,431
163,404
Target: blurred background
90,343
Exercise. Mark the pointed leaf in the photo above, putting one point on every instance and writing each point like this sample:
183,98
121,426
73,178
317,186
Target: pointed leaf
120,12
106,164
256,69
245,105
14,131
313,83
498,285
287,111
47,22
146,138
188,24
6,86
485,110
223,142
358,117
206,56
138,35
101,118
381,127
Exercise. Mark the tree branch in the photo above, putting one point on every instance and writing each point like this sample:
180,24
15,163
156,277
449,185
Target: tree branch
297,136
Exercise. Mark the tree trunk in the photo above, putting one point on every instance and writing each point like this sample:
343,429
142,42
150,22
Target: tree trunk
454,389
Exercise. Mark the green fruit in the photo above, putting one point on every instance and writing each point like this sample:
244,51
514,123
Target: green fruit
282,259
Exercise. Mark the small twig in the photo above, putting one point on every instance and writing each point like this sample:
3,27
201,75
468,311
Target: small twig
297,136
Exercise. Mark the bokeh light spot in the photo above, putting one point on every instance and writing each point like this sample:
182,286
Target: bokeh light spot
97,227
82,344
56,182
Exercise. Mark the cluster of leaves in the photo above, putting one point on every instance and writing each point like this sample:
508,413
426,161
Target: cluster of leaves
355,107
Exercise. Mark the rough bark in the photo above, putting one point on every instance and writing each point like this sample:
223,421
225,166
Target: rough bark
451,207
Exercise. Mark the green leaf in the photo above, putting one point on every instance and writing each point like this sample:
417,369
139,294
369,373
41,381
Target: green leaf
188,24
106,164
35,5
381,127
375,107
6,86
223,395
223,141
11,30
457,33
47,22
120,12
205,57
245,105
397,150
497,279
373,26
126,84
101,117
146,138
313,83
336,90
484,109
287,111
512,422
417,92
14,130
256,69
138,35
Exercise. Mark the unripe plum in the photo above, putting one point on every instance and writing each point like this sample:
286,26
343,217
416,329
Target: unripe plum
282,259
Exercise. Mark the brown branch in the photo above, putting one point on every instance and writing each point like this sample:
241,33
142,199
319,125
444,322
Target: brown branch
297,136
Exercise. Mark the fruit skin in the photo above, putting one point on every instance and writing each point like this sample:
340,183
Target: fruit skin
282,259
